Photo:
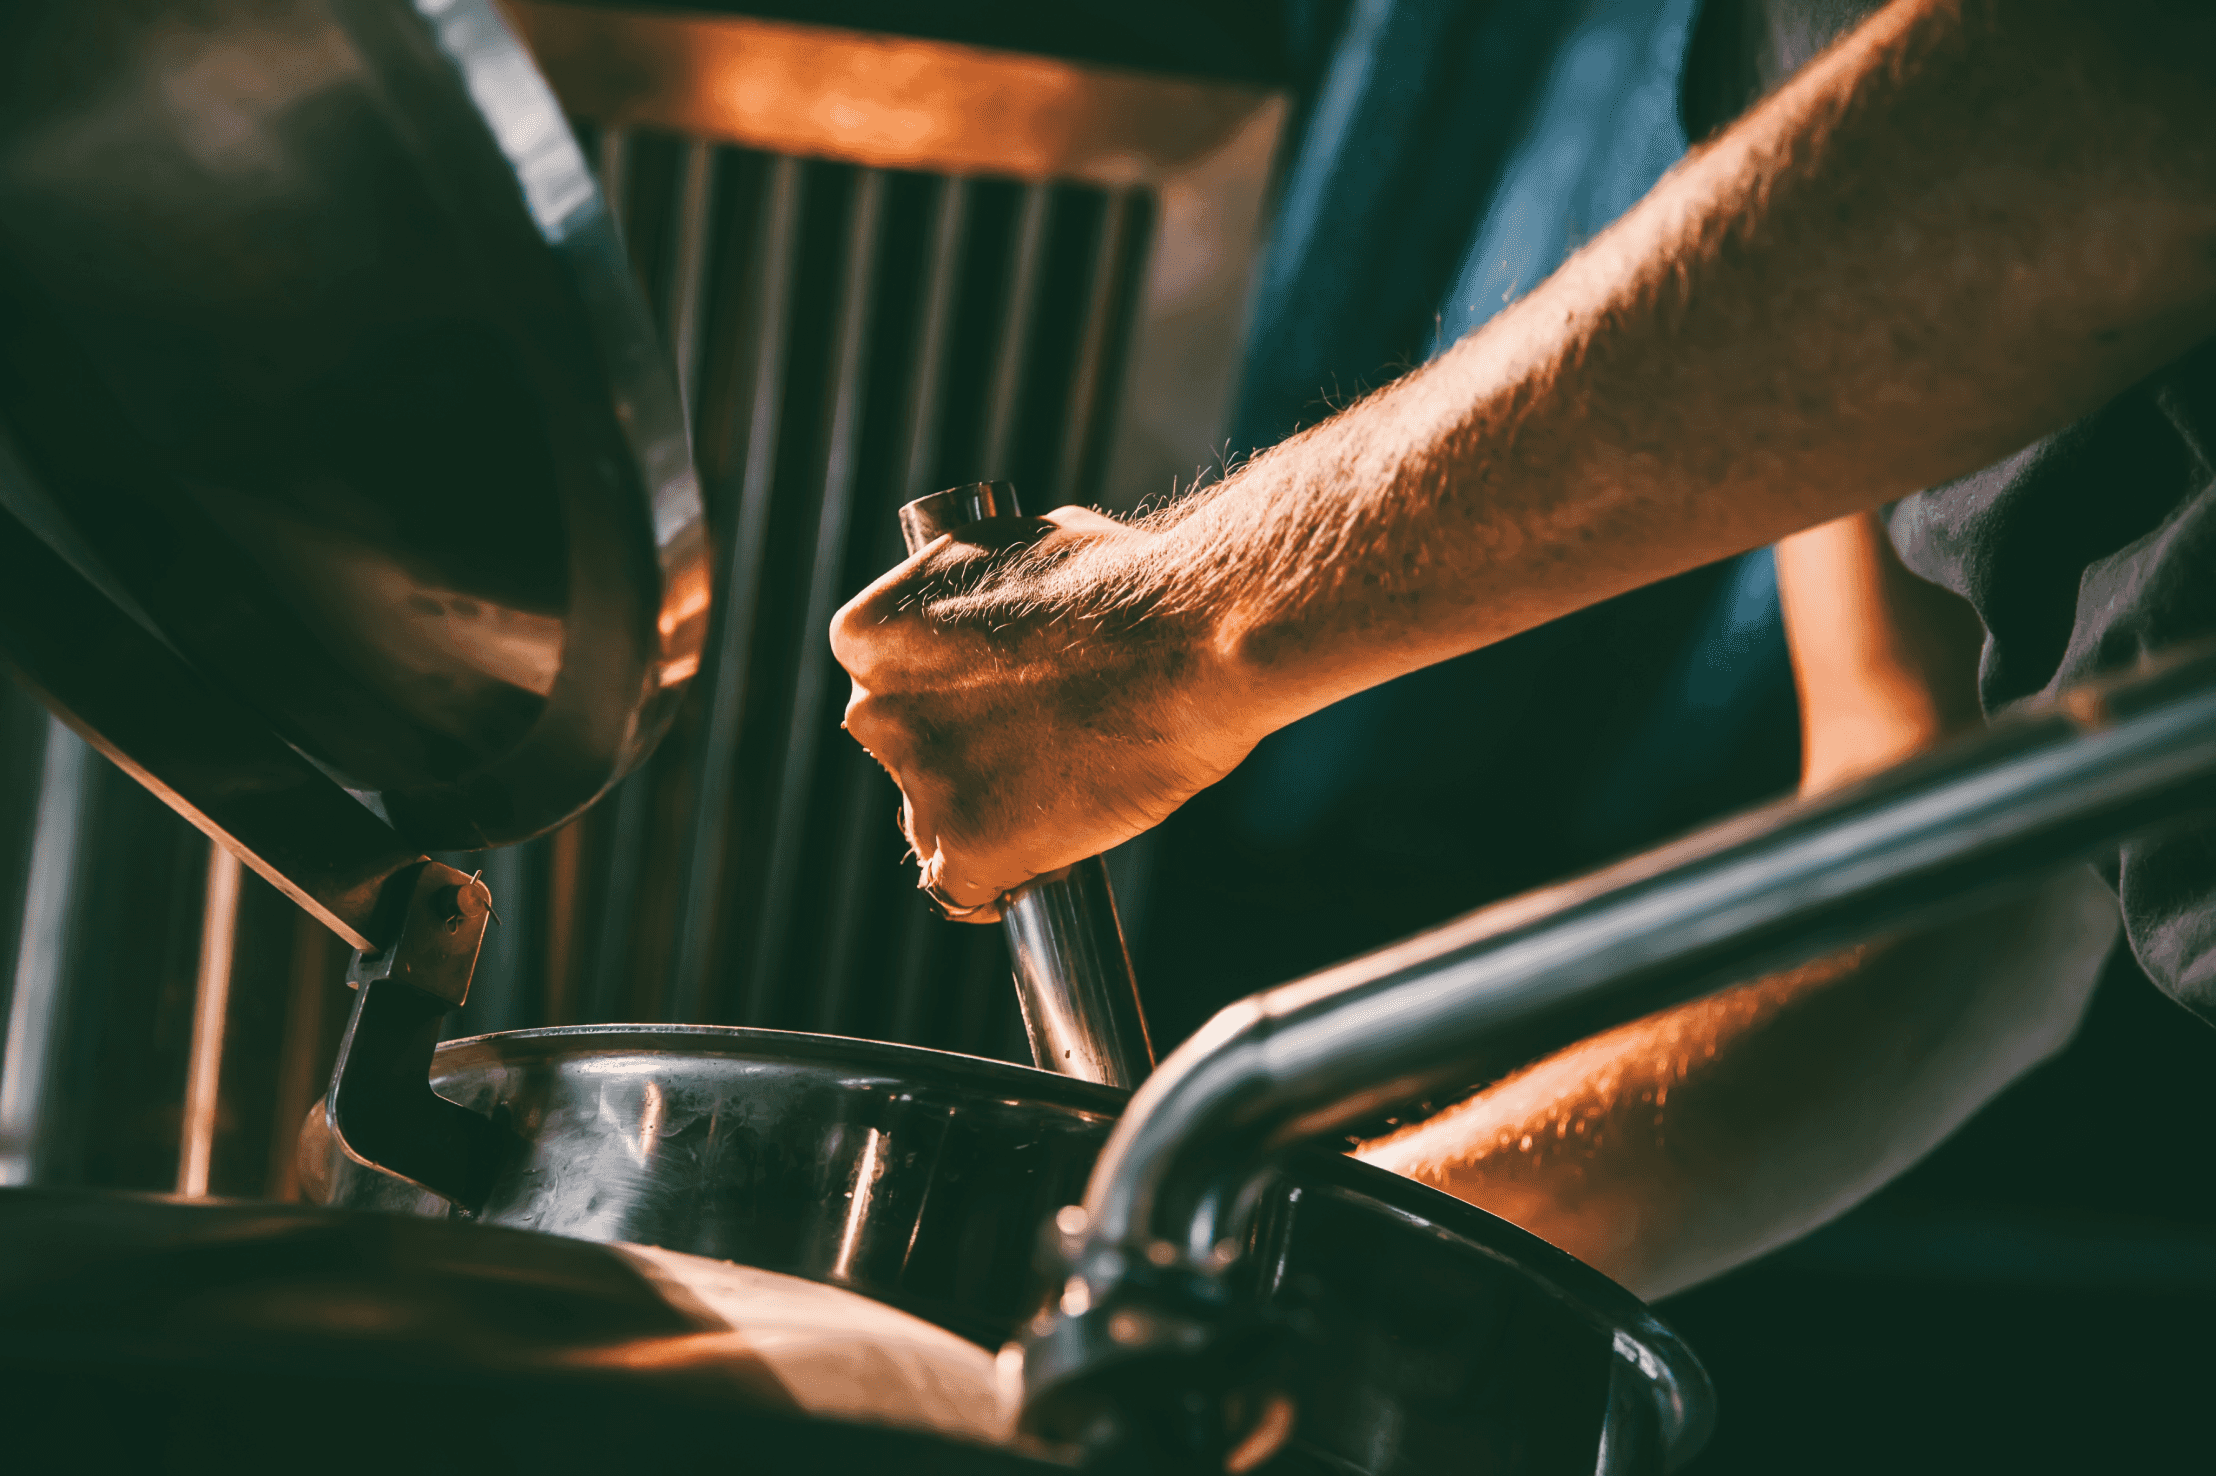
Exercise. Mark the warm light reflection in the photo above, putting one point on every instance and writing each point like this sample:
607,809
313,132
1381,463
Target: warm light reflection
889,101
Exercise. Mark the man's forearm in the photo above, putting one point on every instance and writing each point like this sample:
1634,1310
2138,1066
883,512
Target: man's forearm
1962,227
1681,1145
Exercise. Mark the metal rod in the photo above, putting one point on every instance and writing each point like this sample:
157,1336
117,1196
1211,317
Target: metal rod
805,736
1174,1191
211,1003
725,666
42,956
865,781
1073,977
1481,995
1015,334
1073,974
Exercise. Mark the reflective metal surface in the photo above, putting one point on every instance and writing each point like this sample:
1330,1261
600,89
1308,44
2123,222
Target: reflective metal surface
322,361
1073,977
144,1334
193,746
1421,1334
893,102
1178,1184
1073,971
915,1176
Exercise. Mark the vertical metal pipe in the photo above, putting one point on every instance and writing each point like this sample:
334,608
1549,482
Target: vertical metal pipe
689,265
1092,351
1015,332
805,737
211,1003
725,667
42,957
941,273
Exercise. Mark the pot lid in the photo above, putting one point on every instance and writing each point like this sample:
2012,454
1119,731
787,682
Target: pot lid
336,446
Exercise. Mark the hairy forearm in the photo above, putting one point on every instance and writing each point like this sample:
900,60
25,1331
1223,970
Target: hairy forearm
1965,225
1695,1139
1681,1145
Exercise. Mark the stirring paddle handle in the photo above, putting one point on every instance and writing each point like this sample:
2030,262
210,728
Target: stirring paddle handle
1073,973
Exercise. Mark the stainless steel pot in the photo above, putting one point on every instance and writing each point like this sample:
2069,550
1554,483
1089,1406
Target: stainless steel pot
919,1177
1454,1341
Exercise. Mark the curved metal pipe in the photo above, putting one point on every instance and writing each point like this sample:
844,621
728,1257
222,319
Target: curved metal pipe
1480,996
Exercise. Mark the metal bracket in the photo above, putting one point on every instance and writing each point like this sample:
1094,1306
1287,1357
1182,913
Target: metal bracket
381,1107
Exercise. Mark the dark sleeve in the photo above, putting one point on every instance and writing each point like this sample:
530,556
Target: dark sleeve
2086,554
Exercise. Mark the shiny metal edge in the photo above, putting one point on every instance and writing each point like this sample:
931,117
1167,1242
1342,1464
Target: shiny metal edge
524,115
892,102
508,1046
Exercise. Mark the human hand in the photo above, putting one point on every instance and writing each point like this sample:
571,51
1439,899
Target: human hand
1038,696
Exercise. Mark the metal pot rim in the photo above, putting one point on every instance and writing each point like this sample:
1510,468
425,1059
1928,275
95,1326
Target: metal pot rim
1683,1394
951,1067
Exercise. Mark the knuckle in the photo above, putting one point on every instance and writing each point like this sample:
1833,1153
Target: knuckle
850,633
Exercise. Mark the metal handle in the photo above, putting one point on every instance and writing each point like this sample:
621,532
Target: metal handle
1073,973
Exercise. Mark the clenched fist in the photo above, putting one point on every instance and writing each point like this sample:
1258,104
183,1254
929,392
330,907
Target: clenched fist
1038,695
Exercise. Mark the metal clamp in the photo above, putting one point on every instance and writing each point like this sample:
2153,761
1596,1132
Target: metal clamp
380,1105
